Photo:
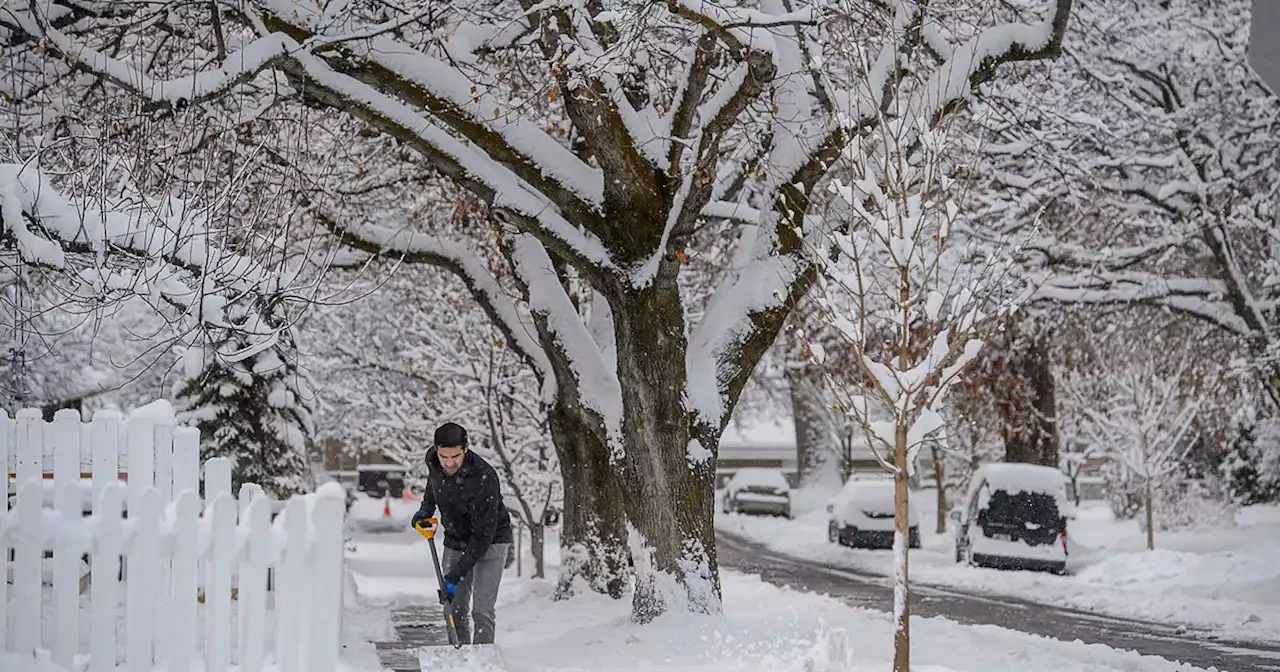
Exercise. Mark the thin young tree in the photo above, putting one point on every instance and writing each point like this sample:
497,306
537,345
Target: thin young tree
1147,424
912,298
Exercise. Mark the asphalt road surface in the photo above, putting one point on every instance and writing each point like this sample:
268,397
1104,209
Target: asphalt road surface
875,591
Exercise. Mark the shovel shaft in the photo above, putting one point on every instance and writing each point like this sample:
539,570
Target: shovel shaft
446,600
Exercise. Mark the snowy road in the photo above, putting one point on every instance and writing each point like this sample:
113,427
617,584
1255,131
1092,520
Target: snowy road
874,591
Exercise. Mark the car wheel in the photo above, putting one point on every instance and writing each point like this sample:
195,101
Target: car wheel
833,532
959,553
913,538
1060,570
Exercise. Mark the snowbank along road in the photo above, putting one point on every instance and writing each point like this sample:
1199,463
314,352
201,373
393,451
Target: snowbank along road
875,591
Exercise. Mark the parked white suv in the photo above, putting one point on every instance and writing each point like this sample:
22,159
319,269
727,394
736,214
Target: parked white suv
1014,517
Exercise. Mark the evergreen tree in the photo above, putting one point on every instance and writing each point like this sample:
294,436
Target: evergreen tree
1240,462
251,404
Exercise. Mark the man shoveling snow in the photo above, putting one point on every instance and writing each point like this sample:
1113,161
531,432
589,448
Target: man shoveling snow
477,529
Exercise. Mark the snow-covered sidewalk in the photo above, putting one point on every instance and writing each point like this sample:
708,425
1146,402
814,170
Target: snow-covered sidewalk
1223,580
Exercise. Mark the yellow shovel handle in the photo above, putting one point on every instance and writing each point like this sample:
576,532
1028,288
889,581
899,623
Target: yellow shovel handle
427,532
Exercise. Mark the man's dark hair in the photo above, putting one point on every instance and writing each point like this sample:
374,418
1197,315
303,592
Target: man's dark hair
450,435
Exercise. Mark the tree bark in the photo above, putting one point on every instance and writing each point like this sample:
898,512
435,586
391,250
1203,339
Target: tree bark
537,537
940,480
815,460
670,493
901,537
1151,517
593,528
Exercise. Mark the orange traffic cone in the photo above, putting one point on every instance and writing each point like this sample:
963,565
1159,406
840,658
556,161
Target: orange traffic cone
386,506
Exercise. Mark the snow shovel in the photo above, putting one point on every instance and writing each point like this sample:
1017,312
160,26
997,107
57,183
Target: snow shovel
446,600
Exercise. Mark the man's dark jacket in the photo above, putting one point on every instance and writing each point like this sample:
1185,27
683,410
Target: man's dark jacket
471,509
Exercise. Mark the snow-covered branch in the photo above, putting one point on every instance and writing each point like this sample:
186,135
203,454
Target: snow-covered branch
158,250
460,258
493,170
598,387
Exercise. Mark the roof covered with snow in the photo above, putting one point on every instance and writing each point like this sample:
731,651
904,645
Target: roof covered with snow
759,433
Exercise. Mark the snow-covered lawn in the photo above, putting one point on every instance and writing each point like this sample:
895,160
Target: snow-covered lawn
1225,580
764,628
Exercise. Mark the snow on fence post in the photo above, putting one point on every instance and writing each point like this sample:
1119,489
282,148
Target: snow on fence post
253,581
142,561
67,549
66,450
105,445
248,494
28,544
219,559
29,437
141,450
162,440
292,593
217,479
105,585
28,540
69,503
6,453
325,631
186,460
182,606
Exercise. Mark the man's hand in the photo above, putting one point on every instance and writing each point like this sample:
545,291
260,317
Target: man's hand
418,517
449,592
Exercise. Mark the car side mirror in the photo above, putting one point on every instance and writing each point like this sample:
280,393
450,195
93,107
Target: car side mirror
955,516
831,508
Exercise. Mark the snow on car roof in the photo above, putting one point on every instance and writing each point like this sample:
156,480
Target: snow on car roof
1015,477
867,490
760,476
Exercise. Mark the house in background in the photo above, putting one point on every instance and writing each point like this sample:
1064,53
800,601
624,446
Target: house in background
764,443
1264,42
771,443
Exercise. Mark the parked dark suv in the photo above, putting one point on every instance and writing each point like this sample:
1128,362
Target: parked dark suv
1014,517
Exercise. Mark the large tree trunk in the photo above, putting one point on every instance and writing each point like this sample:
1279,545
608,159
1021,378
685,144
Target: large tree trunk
593,528
670,493
1026,400
815,459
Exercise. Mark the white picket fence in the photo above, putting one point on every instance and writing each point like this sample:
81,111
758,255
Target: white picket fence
171,544
142,452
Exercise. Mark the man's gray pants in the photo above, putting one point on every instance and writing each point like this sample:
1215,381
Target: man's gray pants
477,594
